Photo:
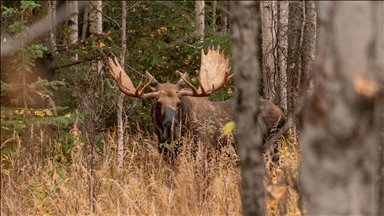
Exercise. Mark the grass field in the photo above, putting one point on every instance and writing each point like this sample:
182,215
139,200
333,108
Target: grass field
38,179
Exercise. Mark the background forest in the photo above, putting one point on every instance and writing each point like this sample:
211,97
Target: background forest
72,143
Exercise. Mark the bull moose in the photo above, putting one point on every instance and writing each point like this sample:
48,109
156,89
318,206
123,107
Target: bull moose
180,107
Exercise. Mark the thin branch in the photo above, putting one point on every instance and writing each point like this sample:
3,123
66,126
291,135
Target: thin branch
71,64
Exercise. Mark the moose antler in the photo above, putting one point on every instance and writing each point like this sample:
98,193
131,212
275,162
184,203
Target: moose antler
214,73
124,82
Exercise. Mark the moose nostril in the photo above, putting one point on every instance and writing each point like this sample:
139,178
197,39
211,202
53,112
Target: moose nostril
167,125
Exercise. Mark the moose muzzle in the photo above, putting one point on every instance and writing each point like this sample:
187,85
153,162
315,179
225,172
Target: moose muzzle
170,124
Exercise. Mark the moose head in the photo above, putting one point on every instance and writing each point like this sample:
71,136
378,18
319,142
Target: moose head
168,104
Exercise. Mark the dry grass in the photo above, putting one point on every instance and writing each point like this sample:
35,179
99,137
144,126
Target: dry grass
37,180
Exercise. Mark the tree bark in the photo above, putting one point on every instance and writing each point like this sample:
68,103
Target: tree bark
95,17
246,68
309,44
73,23
51,14
283,55
200,19
85,22
343,120
120,97
95,27
267,9
296,20
214,10
224,17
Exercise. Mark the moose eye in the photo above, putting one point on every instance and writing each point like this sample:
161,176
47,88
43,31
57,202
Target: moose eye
178,105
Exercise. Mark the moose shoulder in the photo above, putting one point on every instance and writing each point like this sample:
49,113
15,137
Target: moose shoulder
180,107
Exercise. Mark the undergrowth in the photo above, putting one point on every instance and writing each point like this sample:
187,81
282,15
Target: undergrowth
34,182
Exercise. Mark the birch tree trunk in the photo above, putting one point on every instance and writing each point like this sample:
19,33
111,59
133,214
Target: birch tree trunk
342,147
73,23
95,27
120,97
200,19
95,17
52,31
246,68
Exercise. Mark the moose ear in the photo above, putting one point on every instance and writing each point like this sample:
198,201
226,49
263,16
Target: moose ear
154,84
181,82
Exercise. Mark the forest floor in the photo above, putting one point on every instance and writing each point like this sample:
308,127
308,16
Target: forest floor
42,178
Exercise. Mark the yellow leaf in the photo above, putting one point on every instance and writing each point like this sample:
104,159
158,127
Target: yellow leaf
55,176
6,172
38,113
228,128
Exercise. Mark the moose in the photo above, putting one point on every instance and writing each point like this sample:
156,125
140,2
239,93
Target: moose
181,107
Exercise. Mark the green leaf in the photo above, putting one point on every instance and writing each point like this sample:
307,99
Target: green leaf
8,11
29,5
48,112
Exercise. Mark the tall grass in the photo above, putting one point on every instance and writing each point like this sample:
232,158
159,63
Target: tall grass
37,178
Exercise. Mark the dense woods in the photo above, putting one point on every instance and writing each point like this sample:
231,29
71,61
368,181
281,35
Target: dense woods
73,143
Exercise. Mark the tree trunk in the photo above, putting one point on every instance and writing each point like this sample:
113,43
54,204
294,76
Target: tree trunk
309,44
51,13
283,55
95,17
267,9
224,17
200,19
73,23
85,22
296,20
246,68
344,117
120,97
214,10
95,27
